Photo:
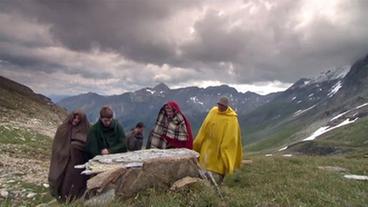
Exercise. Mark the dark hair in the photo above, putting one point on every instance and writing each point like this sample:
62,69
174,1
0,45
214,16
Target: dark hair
139,125
106,112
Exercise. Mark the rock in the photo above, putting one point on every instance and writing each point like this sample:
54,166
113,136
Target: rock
287,155
103,199
101,180
4,193
45,185
184,182
356,177
11,181
131,172
31,195
246,161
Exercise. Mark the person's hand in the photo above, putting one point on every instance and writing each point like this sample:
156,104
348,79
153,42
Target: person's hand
104,152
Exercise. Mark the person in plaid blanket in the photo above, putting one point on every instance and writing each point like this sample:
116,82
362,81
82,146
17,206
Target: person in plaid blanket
172,129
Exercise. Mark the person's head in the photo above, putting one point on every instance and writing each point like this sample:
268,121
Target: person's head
106,115
139,127
76,119
223,104
169,110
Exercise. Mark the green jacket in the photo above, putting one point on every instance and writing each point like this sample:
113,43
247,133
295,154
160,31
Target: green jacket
100,137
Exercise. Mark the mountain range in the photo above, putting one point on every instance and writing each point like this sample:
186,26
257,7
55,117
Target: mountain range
309,109
268,122
144,104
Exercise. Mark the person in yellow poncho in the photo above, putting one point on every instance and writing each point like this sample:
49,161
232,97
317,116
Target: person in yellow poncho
219,140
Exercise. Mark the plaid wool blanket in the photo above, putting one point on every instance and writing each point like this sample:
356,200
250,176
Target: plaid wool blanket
167,129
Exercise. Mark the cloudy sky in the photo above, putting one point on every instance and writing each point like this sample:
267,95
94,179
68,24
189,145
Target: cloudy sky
68,47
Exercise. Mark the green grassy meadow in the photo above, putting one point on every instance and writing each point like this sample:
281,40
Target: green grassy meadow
299,180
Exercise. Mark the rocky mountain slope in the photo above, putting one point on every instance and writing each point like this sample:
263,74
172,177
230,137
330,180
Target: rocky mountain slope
20,105
28,122
309,109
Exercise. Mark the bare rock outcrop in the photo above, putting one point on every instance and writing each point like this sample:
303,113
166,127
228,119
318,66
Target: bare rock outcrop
126,174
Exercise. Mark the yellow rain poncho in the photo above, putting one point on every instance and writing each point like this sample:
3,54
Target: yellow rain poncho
219,142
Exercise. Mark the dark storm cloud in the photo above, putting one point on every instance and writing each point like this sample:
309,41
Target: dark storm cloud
177,42
134,28
22,59
273,45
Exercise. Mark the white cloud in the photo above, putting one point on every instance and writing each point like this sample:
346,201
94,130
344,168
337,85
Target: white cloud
262,88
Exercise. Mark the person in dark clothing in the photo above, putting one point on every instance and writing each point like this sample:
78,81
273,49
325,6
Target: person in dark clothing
106,136
66,182
135,138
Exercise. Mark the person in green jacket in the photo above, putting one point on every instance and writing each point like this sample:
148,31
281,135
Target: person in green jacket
106,136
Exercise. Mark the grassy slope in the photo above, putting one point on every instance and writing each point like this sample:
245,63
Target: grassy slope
271,181
297,181
23,143
292,130
277,181
278,134
352,140
354,135
27,121
24,154
21,108
268,181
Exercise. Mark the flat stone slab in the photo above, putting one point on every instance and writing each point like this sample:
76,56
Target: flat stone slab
131,172
103,163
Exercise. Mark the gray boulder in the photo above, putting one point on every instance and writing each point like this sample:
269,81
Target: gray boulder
126,174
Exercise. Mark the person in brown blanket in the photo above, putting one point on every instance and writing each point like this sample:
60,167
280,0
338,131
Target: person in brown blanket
68,149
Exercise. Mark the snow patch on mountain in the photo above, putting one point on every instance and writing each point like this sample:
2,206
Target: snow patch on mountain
340,115
325,129
150,91
335,88
297,113
361,106
196,100
282,149
332,74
